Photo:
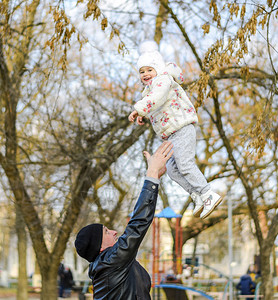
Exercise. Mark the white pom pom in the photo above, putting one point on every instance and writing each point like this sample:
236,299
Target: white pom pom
175,71
148,46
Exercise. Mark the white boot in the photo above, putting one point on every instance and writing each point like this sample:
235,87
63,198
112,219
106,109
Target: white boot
211,201
199,204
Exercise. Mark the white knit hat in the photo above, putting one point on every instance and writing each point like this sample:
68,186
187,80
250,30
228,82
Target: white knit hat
150,57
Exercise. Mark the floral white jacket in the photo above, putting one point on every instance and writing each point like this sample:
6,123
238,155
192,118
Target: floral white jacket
167,106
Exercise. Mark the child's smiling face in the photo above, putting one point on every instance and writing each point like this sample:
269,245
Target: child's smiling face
147,74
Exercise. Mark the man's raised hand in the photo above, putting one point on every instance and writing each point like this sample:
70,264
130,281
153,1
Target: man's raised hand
157,161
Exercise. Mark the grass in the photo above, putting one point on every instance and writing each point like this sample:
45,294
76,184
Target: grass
7,291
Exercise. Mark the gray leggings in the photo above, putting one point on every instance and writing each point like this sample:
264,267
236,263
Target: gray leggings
181,167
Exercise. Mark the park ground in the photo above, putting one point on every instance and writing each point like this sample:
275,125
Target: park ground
10,294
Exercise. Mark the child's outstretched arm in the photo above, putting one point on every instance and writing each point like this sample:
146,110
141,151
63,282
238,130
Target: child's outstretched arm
133,116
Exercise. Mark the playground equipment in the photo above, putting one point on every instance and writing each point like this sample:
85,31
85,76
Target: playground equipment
166,213
172,290
257,290
225,295
178,292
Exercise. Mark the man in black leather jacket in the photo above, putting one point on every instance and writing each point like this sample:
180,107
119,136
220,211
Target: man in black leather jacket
114,271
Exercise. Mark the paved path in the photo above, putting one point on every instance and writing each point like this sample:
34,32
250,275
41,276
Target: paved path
35,298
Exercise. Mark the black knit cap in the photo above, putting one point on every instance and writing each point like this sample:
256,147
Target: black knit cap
88,241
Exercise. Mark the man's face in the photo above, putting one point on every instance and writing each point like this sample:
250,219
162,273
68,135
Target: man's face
109,238
147,74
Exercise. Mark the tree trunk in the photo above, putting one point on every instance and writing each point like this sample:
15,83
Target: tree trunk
267,286
22,287
49,285
193,258
274,262
160,19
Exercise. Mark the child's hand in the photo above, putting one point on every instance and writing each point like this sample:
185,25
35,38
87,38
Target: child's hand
133,116
140,120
